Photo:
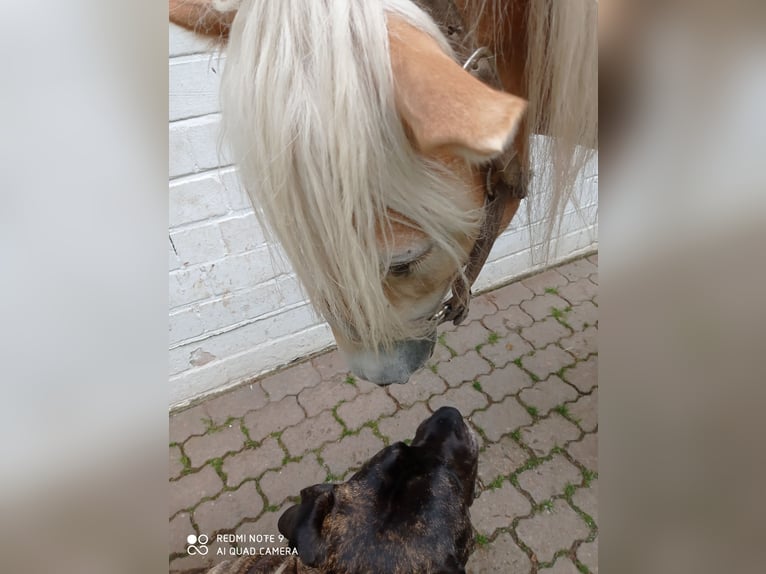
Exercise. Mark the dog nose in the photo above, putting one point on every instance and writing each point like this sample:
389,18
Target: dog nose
394,365
448,414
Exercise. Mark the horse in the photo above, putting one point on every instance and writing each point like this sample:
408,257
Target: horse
386,145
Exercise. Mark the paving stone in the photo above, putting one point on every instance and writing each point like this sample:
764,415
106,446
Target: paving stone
175,466
266,525
550,279
497,508
190,489
235,403
542,306
274,417
465,398
549,360
368,407
229,509
512,294
549,432
180,528
577,269
551,530
463,368
550,478
480,307
291,381
311,433
351,451
330,365
364,387
587,553
252,463
503,382
548,394
501,418
579,291
421,386
289,480
593,258
586,499
326,395
501,556
510,320
468,337
542,333
500,459
582,315
583,375
585,451
440,354
187,423
585,411
404,423
196,562
215,444
563,565
507,349
593,278
582,343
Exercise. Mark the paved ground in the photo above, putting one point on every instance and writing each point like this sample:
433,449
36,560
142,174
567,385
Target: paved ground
522,369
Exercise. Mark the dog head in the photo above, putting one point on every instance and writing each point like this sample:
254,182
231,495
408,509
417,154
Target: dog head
404,511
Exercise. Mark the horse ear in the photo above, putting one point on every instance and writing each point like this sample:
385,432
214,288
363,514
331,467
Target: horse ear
302,524
443,106
210,18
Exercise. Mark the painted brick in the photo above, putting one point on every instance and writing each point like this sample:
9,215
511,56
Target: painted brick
198,244
187,286
196,198
233,308
173,261
193,146
193,85
182,41
184,325
241,233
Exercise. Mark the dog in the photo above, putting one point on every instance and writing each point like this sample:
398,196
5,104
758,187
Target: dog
406,511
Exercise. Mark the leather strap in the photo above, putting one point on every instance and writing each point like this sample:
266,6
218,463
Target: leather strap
503,176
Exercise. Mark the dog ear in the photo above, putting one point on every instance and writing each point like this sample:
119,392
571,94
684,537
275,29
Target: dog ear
302,524
443,106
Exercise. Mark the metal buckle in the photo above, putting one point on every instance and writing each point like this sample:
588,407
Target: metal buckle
474,58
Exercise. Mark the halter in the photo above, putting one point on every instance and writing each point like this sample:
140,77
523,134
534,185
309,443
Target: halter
504,179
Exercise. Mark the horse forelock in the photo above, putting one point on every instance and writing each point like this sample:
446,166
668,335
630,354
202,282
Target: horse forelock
309,113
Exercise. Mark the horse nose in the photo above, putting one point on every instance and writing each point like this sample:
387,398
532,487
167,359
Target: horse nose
394,365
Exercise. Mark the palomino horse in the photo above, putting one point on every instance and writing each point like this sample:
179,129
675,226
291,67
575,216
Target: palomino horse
386,144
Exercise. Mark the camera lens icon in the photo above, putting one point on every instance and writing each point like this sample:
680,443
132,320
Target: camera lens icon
197,544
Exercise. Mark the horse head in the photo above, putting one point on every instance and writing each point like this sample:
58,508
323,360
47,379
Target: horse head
363,144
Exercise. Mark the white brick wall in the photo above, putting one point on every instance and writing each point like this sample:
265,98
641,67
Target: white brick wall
236,309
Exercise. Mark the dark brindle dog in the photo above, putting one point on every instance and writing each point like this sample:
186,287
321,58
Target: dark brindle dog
404,512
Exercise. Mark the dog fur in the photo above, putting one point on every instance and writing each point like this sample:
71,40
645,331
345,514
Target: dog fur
406,511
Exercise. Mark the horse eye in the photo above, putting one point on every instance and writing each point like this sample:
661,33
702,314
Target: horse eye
400,269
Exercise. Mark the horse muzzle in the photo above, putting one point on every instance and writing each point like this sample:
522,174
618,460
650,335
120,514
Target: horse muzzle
394,365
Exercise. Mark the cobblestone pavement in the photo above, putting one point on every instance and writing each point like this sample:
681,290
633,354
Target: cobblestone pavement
522,369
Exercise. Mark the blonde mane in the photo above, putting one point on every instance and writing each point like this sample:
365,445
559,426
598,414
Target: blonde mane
308,111
323,153
562,88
